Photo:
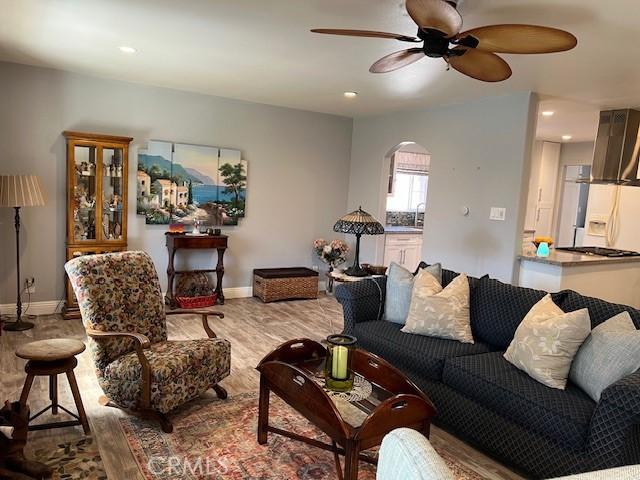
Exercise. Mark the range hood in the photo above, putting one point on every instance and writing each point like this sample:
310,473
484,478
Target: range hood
617,148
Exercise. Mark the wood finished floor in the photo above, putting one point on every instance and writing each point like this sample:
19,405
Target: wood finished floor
253,328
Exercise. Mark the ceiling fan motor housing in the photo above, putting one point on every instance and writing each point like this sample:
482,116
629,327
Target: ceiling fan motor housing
436,45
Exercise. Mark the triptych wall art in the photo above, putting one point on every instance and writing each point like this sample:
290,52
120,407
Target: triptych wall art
179,183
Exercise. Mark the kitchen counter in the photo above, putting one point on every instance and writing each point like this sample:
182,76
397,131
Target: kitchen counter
615,280
570,259
393,229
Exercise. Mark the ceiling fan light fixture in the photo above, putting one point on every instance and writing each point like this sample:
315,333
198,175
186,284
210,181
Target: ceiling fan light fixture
350,94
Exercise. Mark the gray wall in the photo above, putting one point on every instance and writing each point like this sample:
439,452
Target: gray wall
480,157
298,168
580,153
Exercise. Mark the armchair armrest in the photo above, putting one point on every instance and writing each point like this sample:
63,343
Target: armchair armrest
141,344
205,318
405,453
361,301
142,340
615,425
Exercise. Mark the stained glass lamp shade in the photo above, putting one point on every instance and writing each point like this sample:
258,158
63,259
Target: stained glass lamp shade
358,223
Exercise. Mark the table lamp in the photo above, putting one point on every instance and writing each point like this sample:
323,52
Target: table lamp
19,191
358,223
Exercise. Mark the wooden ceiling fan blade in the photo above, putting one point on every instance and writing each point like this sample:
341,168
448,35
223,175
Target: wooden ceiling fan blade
397,60
435,15
485,66
366,33
523,39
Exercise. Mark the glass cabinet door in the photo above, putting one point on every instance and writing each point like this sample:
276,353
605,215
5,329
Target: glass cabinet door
112,193
84,193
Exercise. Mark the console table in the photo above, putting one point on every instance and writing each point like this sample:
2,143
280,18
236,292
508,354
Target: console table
177,241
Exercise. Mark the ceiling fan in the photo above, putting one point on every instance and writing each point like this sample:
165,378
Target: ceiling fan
472,52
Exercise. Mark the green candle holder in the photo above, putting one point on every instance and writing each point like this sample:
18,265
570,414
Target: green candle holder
338,373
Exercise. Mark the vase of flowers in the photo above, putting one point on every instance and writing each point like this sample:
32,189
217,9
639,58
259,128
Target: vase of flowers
332,253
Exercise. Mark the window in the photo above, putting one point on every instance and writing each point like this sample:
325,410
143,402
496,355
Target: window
409,192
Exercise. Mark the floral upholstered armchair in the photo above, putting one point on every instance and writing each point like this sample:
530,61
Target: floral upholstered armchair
137,367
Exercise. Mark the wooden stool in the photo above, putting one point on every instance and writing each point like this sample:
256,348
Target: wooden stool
51,358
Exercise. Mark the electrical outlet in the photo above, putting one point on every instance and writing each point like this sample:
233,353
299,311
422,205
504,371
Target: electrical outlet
30,285
498,213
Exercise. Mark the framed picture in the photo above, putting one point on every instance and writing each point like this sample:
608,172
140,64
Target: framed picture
181,183
154,183
232,186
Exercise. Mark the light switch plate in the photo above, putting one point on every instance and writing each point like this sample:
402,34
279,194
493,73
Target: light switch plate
498,213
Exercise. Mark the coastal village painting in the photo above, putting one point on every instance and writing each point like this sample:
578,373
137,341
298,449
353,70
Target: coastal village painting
179,183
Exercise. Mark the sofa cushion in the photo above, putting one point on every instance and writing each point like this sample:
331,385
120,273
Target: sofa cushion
599,310
611,352
498,308
400,282
423,355
440,313
491,381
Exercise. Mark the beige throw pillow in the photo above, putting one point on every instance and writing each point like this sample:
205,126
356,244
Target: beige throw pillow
435,312
546,342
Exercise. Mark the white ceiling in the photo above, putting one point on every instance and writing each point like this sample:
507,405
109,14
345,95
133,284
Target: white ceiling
262,50
576,119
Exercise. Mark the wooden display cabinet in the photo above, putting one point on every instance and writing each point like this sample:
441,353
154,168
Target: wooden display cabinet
97,174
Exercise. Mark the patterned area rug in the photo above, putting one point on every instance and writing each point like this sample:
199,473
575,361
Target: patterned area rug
75,460
217,440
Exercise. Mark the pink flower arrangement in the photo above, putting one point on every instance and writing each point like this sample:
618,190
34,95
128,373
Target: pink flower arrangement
334,253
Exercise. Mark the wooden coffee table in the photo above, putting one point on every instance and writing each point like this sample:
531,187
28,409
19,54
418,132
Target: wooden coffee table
294,372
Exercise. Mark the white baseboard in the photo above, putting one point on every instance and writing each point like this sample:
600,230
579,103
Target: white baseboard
35,308
238,292
55,306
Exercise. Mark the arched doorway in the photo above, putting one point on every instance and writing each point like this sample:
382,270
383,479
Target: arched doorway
404,204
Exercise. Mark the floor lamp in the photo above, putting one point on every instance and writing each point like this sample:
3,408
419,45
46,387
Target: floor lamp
17,191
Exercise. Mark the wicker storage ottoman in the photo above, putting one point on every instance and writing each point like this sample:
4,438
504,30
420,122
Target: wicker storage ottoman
272,284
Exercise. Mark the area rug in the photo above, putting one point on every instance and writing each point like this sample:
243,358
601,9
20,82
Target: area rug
75,460
217,440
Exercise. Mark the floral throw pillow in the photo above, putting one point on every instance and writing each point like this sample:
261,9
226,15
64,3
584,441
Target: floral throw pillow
546,342
435,312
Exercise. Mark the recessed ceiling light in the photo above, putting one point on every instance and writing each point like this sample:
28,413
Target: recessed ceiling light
548,113
567,137
126,49
351,94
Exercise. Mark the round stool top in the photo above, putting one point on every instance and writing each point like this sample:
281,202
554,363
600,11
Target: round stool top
50,350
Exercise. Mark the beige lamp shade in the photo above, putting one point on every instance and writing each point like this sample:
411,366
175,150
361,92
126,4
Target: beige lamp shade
20,191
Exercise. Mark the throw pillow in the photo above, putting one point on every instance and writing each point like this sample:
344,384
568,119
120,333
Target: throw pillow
441,314
611,352
546,342
399,288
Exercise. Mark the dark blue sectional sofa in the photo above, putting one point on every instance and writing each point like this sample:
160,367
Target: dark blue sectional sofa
483,399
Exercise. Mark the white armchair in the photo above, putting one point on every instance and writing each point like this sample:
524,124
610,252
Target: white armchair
406,454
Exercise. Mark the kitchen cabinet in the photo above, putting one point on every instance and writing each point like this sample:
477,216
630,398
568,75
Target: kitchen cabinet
403,249
547,188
